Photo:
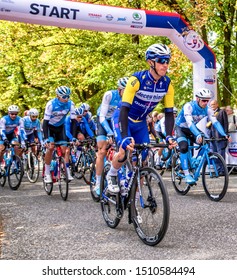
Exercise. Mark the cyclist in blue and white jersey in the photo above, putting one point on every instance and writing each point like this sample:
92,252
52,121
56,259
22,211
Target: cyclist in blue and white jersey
53,127
12,130
185,126
110,102
33,127
144,90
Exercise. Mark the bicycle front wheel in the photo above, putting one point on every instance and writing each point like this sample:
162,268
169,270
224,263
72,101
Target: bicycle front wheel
15,173
111,205
94,196
33,168
177,175
62,178
215,177
2,177
150,209
48,187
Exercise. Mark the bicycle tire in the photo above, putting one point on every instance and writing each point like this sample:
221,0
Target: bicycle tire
15,173
150,211
177,176
94,196
33,170
87,168
48,187
2,177
214,184
62,179
111,205
78,169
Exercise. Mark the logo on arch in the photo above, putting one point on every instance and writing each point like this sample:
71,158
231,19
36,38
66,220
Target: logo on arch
137,16
192,40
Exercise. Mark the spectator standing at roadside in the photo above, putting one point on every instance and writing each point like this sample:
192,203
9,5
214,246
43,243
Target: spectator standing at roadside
221,116
232,119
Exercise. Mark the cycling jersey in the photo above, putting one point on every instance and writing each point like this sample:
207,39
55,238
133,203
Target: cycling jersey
8,126
32,126
192,113
109,103
56,111
143,93
82,126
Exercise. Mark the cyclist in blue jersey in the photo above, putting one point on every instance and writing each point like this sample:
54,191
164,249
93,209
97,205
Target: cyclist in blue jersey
185,126
144,90
82,127
110,102
33,127
12,130
53,127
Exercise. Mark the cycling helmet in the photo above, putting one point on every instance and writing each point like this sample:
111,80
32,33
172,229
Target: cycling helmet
89,115
122,82
203,93
79,111
175,110
62,91
86,106
33,112
13,108
158,51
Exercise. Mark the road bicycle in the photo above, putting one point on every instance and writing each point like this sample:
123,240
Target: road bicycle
209,165
84,160
58,172
11,167
142,193
31,163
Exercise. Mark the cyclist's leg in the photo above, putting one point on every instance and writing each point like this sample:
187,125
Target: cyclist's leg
47,160
182,140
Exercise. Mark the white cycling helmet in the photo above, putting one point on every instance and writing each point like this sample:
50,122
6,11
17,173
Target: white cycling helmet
158,51
63,91
79,111
33,112
122,82
13,108
203,93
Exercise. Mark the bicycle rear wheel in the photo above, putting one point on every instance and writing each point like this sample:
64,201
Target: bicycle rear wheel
88,162
32,168
48,187
215,177
150,210
111,205
15,173
177,176
62,178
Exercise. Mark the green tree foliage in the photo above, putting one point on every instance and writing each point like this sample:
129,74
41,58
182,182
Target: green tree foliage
34,59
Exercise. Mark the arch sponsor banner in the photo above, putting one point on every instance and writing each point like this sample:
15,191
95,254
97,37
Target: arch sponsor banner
73,14
231,149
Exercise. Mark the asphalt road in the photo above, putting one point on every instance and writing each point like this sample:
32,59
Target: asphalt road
41,227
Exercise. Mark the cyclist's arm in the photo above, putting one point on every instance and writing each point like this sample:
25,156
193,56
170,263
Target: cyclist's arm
22,130
68,128
169,116
104,110
3,129
46,128
132,87
217,125
87,127
38,131
188,109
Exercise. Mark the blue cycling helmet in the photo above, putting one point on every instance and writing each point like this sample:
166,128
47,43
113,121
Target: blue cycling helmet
158,51
122,82
85,106
63,91
79,111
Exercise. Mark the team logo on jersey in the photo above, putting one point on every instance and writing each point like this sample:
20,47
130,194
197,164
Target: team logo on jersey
192,40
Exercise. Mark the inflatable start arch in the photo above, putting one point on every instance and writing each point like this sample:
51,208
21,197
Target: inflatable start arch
72,14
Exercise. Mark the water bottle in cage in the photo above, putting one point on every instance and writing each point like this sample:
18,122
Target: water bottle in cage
59,151
74,159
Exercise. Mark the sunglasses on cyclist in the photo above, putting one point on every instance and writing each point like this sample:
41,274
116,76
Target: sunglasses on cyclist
162,60
205,100
13,114
65,97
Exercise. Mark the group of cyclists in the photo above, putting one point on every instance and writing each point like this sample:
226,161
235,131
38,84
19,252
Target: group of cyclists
122,117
